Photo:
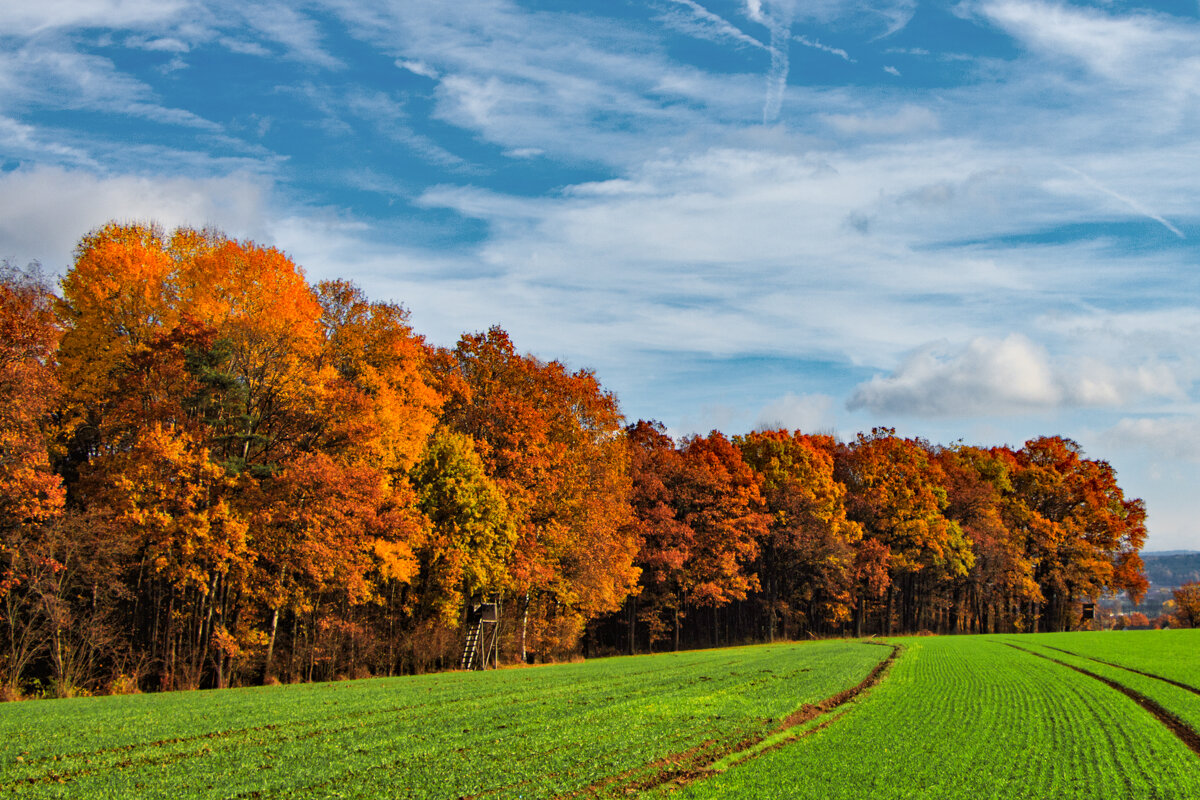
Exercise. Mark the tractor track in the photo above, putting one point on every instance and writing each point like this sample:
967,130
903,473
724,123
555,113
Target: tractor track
1184,732
683,768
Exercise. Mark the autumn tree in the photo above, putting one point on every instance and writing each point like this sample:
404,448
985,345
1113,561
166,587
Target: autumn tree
896,492
472,532
806,561
665,543
1187,605
31,495
550,439
717,496
979,491
328,537
167,507
1081,534
208,378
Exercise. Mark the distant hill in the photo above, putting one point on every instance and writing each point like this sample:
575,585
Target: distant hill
1172,568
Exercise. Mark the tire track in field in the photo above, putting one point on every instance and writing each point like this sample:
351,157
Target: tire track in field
1184,732
1178,684
680,769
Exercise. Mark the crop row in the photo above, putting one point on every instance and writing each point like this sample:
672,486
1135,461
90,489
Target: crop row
973,717
1170,654
591,728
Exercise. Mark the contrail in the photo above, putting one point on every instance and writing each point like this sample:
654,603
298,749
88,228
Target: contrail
722,25
1135,205
780,25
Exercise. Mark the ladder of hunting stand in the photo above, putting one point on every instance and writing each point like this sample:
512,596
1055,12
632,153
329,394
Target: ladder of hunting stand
479,643
471,646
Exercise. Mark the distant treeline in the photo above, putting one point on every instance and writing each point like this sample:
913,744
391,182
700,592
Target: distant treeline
214,472
1172,569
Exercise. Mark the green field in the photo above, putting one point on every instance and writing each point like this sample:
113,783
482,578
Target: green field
598,727
1040,716
973,717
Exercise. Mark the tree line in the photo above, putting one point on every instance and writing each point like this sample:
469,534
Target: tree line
214,472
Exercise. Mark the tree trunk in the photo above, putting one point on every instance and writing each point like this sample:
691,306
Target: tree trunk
631,604
524,626
271,645
676,609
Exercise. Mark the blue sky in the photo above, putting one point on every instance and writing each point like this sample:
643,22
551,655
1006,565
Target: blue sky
971,220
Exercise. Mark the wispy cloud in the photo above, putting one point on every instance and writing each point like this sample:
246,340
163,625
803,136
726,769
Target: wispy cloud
896,15
24,141
52,77
1169,436
905,121
19,18
1153,52
345,110
299,35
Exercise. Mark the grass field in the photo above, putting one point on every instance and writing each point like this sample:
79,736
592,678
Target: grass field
1102,716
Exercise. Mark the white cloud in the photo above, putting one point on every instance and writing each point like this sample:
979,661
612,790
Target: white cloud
1006,376
896,15
1133,49
1090,35
809,413
45,210
165,44
780,25
418,68
905,121
27,18
1164,436
300,35
243,47
524,152
42,75
890,70
25,141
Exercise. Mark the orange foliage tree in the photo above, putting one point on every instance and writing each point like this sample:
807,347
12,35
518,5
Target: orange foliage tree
551,441
213,358
806,561
717,496
897,492
665,543
1081,534
214,472
979,490
31,494
1187,605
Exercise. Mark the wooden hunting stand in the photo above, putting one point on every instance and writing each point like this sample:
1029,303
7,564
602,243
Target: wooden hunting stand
483,642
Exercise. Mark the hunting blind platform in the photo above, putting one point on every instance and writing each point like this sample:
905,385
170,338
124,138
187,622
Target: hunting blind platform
483,642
